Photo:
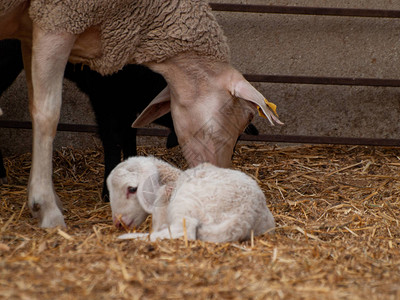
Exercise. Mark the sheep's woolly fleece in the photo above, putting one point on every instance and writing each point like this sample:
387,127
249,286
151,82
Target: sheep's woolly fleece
136,31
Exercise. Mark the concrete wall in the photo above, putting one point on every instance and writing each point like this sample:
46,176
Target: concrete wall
281,45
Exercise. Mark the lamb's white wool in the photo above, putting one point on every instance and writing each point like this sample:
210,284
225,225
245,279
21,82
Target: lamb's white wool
216,204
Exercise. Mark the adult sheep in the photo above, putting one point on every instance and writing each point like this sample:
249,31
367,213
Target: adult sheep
181,40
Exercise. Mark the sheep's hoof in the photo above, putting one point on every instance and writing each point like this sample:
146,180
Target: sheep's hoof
49,218
52,219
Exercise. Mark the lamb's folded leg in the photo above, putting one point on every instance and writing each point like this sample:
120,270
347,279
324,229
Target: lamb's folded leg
134,236
177,230
50,52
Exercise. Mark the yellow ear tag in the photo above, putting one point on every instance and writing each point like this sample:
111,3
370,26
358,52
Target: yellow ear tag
271,105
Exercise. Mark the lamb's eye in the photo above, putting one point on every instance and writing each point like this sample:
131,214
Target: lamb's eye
132,190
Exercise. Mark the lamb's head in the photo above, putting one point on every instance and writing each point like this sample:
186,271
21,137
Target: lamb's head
123,184
211,104
135,186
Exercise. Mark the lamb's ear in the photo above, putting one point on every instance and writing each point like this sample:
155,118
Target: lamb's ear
167,173
158,107
147,192
241,88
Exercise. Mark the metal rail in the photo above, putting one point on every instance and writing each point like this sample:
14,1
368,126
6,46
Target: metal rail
244,137
302,139
323,80
301,10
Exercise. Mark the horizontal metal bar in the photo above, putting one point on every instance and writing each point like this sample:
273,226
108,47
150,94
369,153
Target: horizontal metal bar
302,139
323,80
302,10
60,127
80,128
244,137
153,132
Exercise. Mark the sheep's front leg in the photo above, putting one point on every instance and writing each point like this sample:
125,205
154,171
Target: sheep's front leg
50,52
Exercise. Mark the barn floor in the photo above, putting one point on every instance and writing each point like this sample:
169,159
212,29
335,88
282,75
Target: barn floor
337,237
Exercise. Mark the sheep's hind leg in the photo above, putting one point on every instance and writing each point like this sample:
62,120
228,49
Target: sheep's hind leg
50,52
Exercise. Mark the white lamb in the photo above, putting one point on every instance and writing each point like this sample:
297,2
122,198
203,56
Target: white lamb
209,203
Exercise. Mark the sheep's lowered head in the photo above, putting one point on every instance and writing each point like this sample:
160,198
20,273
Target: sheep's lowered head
211,104
135,186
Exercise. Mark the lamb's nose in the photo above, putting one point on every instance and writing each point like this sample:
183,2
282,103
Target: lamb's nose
118,224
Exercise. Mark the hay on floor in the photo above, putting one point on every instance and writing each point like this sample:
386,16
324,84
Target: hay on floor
337,237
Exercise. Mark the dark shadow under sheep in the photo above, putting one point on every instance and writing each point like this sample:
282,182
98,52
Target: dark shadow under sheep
116,100
3,173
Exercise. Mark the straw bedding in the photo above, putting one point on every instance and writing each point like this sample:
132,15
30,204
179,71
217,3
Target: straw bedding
337,237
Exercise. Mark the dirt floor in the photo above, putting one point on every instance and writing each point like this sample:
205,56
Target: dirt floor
337,237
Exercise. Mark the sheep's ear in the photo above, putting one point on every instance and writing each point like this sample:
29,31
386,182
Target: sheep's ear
241,88
158,107
148,191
